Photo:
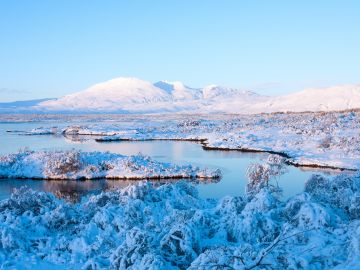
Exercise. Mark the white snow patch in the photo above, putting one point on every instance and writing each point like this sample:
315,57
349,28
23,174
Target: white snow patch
75,164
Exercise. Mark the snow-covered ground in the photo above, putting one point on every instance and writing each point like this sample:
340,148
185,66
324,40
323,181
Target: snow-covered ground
170,227
316,139
75,164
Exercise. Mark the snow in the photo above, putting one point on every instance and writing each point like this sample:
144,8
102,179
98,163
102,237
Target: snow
170,227
75,164
116,94
151,225
132,95
179,91
305,139
322,99
124,94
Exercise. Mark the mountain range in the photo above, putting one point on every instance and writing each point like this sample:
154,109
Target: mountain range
132,95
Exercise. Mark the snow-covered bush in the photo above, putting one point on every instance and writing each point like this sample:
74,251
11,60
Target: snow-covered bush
341,192
75,164
326,142
325,139
170,227
190,123
25,199
63,163
259,175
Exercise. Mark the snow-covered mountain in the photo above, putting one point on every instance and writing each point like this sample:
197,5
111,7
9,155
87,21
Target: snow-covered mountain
179,91
120,94
315,99
131,95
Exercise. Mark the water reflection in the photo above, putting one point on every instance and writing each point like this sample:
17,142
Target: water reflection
74,190
74,138
233,164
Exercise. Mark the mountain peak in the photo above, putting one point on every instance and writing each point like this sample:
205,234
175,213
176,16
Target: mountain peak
120,83
132,95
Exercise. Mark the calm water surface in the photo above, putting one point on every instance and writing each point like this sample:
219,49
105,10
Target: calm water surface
232,164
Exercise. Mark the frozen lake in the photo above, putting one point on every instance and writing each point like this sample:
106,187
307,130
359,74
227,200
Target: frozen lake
233,164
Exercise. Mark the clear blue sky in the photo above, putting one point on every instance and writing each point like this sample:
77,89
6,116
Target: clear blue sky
52,48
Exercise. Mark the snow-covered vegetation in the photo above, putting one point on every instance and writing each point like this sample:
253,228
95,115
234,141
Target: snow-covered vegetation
170,227
310,139
259,175
75,164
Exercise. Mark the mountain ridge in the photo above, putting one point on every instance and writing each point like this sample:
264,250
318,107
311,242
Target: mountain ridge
132,95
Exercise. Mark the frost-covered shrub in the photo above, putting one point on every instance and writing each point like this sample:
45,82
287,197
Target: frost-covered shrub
75,164
26,200
230,205
309,138
132,251
190,123
326,142
61,217
259,175
341,191
10,160
354,208
62,163
216,259
317,185
180,245
276,160
170,227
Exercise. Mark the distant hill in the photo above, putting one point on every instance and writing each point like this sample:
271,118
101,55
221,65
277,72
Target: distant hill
21,106
132,95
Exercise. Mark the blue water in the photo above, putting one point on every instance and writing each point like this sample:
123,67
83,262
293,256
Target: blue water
233,164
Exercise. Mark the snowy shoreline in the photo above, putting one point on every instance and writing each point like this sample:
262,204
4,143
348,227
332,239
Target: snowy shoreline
169,226
288,160
325,140
78,165
206,147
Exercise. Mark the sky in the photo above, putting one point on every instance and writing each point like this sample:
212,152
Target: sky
273,47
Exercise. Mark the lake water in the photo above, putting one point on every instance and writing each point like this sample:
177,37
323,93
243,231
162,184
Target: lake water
233,164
